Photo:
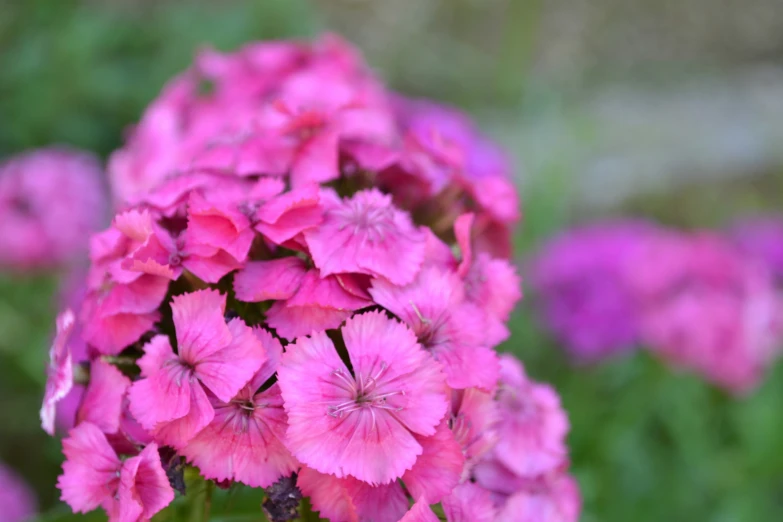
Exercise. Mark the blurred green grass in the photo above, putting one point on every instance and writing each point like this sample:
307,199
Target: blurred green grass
648,444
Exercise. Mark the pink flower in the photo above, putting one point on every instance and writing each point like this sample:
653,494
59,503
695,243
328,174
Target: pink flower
361,423
102,404
59,380
51,200
454,330
350,500
16,498
287,215
469,503
438,469
474,420
554,499
93,476
244,441
306,302
531,434
718,313
171,399
366,234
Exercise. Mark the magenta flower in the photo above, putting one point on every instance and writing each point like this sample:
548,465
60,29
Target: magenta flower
533,427
103,401
586,280
171,399
366,234
717,313
51,200
16,498
451,328
361,423
94,475
244,441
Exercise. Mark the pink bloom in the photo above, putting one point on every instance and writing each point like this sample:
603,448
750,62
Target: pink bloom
265,280
51,200
454,330
350,500
60,372
474,419
16,498
554,499
103,401
244,440
531,435
718,313
284,217
366,234
361,423
171,399
469,503
318,304
438,469
93,475
220,225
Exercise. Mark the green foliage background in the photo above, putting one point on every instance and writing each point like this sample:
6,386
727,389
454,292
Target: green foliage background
648,444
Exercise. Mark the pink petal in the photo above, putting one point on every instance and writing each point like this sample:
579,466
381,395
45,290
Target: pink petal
102,402
557,501
462,227
469,503
245,446
475,416
273,350
199,323
438,469
328,495
180,431
59,380
317,159
141,296
384,503
367,235
325,292
289,214
135,224
211,268
144,482
110,335
162,397
494,285
291,322
372,339
90,469
264,280
218,225
157,352
227,370
420,512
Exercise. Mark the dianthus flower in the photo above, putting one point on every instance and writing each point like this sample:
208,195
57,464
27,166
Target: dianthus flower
717,312
51,200
272,306
16,498
582,277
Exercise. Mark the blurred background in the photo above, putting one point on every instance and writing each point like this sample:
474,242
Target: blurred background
670,109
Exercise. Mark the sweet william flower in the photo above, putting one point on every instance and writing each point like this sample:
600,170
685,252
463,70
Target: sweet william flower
361,422
129,490
59,380
366,234
171,399
244,441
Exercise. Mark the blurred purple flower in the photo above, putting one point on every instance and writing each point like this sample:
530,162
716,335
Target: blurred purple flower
51,200
582,279
17,502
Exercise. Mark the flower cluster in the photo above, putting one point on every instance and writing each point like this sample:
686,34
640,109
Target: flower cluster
702,300
306,281
51,200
